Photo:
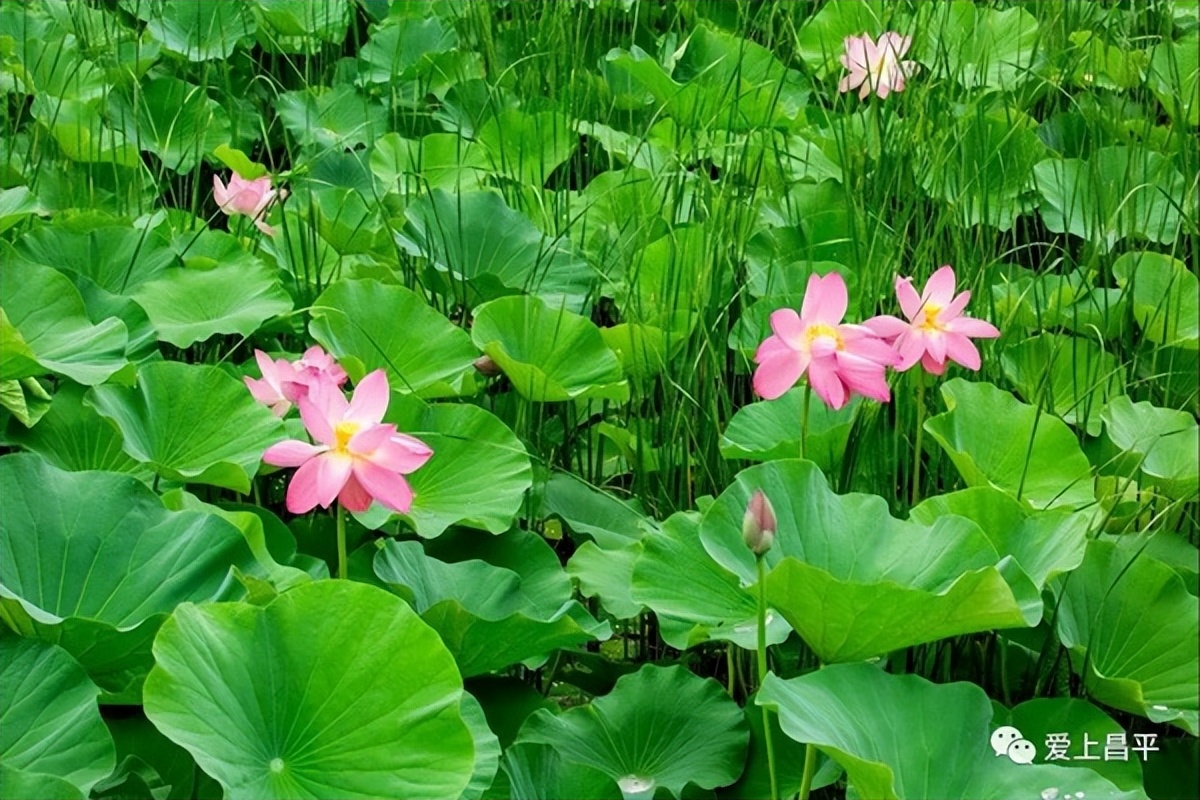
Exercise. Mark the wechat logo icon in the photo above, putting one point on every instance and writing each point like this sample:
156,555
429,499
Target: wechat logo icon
1008,741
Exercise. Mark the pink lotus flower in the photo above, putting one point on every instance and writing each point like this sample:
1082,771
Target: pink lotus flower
251,198
876,65
839,359
284,382
936,329
358,458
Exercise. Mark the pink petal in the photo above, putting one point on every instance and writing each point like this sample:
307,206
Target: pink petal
851,81
823,377
403,454
370,400
932,365
317,482
388,487
291,453
865,90
910,347
220,193
319,425
772,347
955,309
327,398
910,68
935,345
939,290
977,328
262,391
264,227
863,377
354,497
787,326
856,50
884,87
825,299
960,349
778,373
910,301
872,349
886,326
370,437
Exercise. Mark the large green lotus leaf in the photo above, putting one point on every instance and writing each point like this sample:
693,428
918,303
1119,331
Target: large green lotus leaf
82,135
670,280
145,756
333,689
26,399
189,305
400,43
608,575
755,782
1075,377
981,47
539,772
1166,297
16,204
16,784
1131,627
101,304
483,245
73,437
346,219
300,26
478,474
770,429
507,702
1045,543
1175,76
428,354
696,599
996,440
44,328
660,726
820,41
853,581
49,720
198,31
549,354
1119,192
93,561
491,616
1162,443
527,147
52,66
191,422
611,522
437,161
117,258
900,736
331,118
1041,717
984,167
175,120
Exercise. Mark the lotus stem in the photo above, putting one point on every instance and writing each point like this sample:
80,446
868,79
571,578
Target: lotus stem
762,672
916,470
810,770
341,541
804,419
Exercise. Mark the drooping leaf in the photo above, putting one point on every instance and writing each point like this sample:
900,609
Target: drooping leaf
334,688
1075,377
548,353
996,440
660,726
191,423
98,575
1166,297
938,747
199,31
49,721
427,354
1161,442
175,120
771,429
982,47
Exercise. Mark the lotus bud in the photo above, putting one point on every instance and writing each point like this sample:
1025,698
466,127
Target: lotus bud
758,525
487,367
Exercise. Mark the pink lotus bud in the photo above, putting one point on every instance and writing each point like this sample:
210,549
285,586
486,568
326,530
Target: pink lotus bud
487,366
758,525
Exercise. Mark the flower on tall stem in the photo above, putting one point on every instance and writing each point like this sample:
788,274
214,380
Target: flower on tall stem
357,459
876,65
839,359
284,382
758,524
936,331
251,198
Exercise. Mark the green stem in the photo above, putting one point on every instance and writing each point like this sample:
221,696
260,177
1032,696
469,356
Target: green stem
341,541
810,770
916,470
762,674
730,667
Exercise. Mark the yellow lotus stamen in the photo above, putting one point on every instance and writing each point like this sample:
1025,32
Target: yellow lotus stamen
344,431
819,329
931,318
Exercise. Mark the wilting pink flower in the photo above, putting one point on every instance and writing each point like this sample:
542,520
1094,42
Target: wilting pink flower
876,65
251,198
936,329
839,359
758,524
284,382
357,457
